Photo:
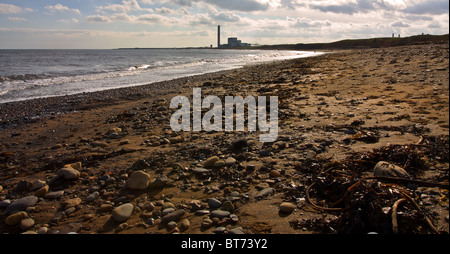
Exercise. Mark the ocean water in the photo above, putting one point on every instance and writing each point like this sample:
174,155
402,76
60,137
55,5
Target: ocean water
29,74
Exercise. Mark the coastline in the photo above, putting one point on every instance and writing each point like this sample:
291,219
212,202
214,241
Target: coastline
346,105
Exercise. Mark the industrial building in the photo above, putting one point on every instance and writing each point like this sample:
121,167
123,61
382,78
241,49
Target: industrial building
233,42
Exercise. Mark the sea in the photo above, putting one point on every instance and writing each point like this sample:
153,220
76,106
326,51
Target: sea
30,74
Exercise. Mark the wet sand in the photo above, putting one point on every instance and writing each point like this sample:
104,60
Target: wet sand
356,106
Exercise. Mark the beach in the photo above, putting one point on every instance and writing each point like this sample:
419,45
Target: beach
108,162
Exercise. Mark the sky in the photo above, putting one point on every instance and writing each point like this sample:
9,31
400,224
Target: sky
106,24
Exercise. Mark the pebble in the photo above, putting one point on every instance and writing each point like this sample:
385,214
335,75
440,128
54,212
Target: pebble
42,230
123,212
228,206
214,203
220,214
200,171
174,216
167,211
74,202
287,207
5,203
54,194
22,204
209,163
185,224
264,192
207,223
26,224
42,191
386,169
275,173
230,161
68,173
159,182
15,218
139,180
93,196
219,230
38,184
236,231
71,228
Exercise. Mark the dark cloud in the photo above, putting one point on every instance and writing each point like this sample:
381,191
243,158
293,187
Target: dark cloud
429,7
351,8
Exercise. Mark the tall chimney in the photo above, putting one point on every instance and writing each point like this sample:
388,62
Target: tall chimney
218,37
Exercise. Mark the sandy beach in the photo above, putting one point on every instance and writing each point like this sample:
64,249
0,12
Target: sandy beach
109,163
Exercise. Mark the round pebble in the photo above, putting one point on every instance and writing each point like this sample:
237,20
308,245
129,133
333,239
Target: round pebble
123,212
287,207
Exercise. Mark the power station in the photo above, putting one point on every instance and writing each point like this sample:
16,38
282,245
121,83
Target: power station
233,42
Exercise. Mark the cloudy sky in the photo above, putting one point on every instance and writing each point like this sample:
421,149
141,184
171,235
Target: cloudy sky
193,23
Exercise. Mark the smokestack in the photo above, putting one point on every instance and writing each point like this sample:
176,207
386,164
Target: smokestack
218,37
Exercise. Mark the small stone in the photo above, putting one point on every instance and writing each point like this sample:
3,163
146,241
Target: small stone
22,204
236,231
121,227
228,206
68,173
167,211
74,202
230,161
42,191
214,203
139,180
239,144
43,230
219,164
159,182
168,205
264,192
26,224
71,228
5,203
171,225
219,230
209,163
275,173
15,218
76,166
174,216
123,212
386,169
207,223
93,196
105,208
287,207
220,214
185,224
38,184
54,194
200,171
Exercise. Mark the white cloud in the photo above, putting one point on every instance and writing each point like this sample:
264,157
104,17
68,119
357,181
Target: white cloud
17,19
98,19
13,9
126,6
68,21
61,8
399,24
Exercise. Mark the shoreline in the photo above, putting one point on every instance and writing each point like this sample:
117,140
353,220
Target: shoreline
340,115
30,110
